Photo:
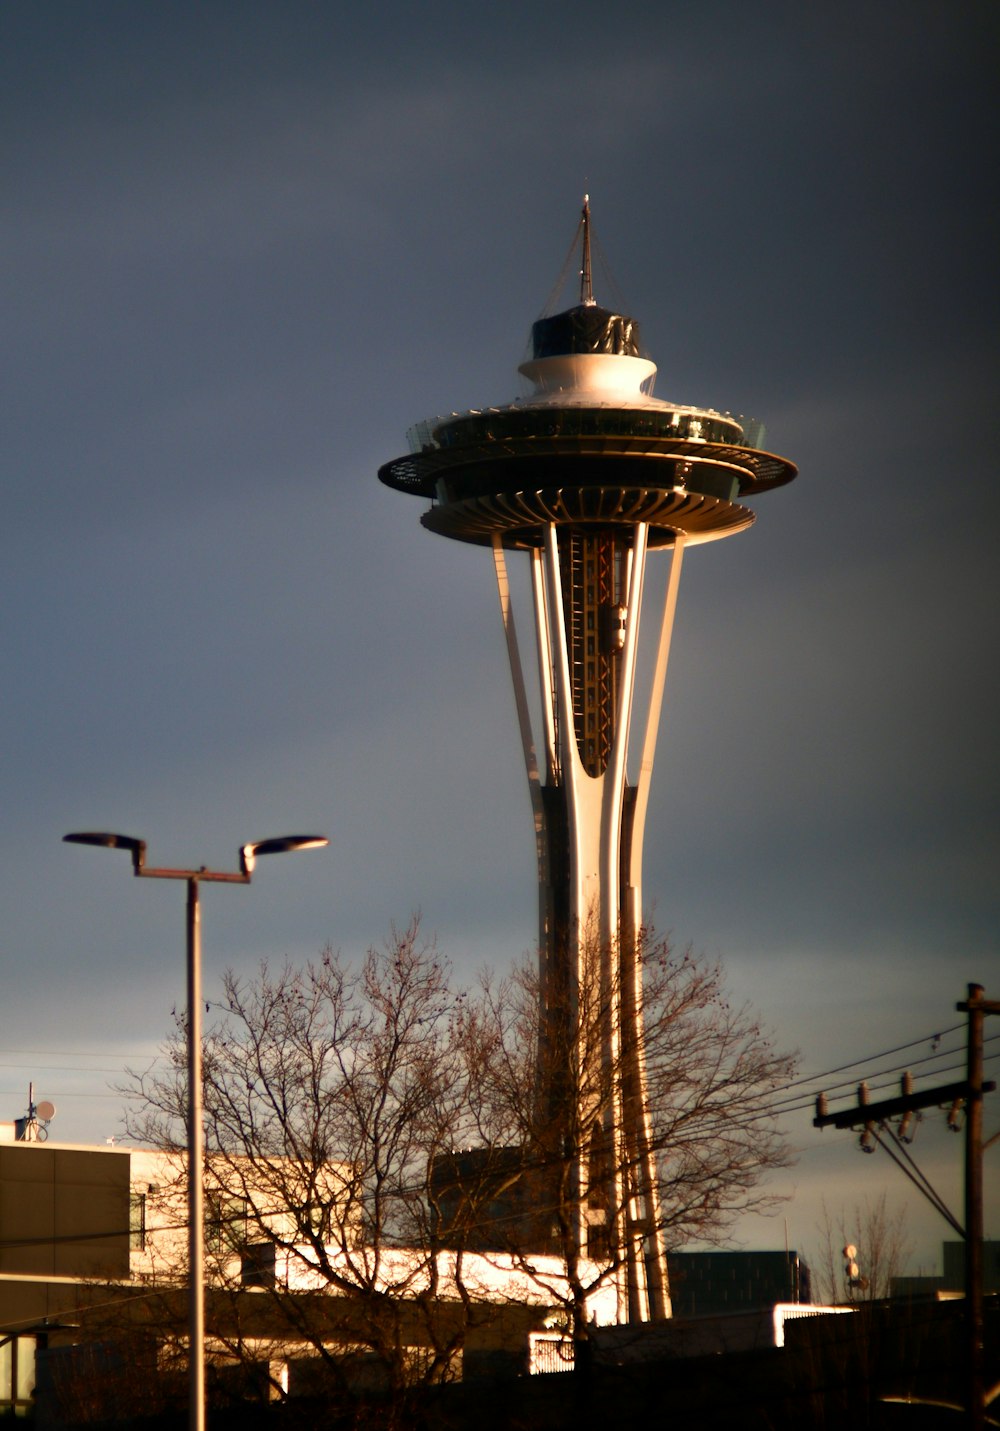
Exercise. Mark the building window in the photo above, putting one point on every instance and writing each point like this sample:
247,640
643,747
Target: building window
317,1219
17,1375
226,1222
257,1264
136,1222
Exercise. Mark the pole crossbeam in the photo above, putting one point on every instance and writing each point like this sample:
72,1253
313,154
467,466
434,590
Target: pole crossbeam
203,876
863,1112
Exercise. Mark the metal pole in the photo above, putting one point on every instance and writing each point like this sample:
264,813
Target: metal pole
196,1208
107,839
974,1211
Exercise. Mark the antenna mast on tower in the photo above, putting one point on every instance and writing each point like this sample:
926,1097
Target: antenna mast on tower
586,280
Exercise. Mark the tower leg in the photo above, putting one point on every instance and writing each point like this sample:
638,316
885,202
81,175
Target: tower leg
591,1087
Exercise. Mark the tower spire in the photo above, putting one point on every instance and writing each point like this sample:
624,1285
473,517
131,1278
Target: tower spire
586,281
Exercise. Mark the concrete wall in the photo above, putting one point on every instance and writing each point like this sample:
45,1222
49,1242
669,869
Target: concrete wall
64,1211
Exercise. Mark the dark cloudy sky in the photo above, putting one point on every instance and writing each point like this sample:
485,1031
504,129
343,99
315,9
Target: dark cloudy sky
245,246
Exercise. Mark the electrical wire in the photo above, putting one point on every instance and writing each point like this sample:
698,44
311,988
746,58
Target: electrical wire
800,1102
874,1057
78,1053
915,1175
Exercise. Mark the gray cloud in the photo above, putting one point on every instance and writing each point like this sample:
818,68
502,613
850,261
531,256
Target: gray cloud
242,260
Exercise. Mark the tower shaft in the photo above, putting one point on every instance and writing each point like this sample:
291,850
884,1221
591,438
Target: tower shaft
590,1084
592,570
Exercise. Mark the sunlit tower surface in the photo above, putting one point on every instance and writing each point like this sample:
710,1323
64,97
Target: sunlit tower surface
586,476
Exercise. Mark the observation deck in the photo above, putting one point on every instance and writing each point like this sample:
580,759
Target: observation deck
590,446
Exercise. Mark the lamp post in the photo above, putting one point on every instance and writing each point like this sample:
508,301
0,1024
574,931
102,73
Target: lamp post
196,1201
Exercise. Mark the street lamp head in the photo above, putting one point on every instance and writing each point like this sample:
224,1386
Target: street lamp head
108,841
282,845
248,853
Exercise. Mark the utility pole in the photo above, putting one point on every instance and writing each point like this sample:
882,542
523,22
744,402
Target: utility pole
977,1008
970,1091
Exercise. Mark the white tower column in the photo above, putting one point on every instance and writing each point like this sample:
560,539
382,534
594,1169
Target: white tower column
599,926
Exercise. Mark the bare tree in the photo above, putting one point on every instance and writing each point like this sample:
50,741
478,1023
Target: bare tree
376,1140
879,1235
328,1093
710,1072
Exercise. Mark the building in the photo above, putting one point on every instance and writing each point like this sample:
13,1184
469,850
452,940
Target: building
93,1276
713,1283
586,477
952,1280
64,1225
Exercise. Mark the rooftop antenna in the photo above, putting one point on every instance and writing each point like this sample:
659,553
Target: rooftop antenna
34,1127
586,281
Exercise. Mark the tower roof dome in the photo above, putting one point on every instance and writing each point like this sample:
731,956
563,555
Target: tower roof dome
586,328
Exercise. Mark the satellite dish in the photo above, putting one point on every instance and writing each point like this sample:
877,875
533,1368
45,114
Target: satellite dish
45,1110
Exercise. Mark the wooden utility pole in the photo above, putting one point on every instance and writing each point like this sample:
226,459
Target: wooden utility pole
868,1115
977,1008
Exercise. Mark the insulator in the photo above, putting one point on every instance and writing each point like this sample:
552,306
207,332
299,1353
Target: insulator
821,1105
955,1115
867,1141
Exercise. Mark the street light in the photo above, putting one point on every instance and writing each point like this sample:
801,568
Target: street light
196,1200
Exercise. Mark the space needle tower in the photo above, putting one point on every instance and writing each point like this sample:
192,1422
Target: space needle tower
586,476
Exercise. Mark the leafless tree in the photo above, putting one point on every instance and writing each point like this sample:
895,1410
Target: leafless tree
710,1074
328,1093
371,1133
883,1246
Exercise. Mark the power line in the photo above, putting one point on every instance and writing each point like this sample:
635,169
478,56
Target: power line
874,1057
60,1068
79,1053
72,1093
801,1101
